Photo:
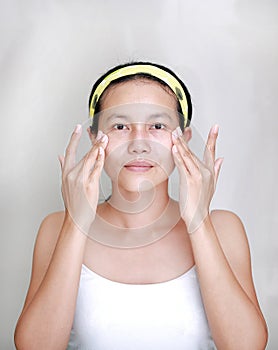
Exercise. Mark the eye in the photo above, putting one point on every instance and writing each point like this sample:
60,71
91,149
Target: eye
158,126
120,127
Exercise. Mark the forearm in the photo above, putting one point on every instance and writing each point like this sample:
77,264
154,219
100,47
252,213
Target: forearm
235,322
46,322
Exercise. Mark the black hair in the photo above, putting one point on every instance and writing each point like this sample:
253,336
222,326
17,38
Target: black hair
94,127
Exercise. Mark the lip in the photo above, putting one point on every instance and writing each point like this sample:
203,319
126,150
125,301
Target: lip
139,166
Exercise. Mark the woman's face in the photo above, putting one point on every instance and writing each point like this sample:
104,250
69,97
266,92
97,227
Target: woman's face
138,117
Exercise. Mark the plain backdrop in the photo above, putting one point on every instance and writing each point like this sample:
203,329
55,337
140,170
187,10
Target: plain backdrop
52,52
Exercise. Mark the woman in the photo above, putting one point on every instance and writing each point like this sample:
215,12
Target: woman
141,271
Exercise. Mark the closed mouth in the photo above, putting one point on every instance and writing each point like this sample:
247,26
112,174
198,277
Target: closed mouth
139,166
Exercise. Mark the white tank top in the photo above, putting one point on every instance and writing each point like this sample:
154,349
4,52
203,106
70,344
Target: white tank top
161,316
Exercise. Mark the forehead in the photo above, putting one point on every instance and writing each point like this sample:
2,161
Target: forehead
139,91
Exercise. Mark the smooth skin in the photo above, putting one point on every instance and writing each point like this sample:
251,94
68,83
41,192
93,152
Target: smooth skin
214,241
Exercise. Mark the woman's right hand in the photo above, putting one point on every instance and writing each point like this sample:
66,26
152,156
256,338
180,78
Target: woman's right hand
80,182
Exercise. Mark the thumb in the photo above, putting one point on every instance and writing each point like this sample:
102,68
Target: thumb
217,166
61,160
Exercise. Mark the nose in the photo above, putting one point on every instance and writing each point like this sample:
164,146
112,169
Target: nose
139,142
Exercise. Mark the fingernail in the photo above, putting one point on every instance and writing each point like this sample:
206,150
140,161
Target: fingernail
101,151
99,135
78,128
215,129
174,148
104,138
177,133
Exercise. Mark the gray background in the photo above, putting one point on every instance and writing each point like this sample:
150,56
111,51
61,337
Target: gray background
52,51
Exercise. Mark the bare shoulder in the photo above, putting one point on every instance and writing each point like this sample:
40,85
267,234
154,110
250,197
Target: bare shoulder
226,218
232,237
50,227
44,247
45,243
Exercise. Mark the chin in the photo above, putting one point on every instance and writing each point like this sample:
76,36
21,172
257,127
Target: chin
139,184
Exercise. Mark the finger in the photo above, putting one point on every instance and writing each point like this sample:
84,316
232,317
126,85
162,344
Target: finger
179,161
209,153
95,155
103,140
61,161
95,138
69,161
98,166
190,160
177,137
89,161
217,167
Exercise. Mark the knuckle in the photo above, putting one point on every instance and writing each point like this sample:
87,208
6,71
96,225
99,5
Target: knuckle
212,147
69,151
178,160
80,181
70,177
199,177
186,153
207,174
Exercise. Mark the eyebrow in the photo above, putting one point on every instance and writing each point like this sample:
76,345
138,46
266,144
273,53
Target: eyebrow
160,115
150,117
116,116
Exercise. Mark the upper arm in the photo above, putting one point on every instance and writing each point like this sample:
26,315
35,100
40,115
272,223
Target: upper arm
44,247
233,240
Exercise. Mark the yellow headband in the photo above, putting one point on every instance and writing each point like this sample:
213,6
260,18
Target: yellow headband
157,72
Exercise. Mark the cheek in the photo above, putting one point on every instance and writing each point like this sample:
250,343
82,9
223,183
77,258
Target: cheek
114,147
167,163
162,153
168,144
114,157
164,146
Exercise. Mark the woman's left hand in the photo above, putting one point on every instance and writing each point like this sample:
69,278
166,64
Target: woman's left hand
197,178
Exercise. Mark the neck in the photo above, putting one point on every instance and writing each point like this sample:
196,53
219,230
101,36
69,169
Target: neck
118,224
136,209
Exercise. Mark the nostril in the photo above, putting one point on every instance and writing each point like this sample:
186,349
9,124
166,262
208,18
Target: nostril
139,146
139,151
